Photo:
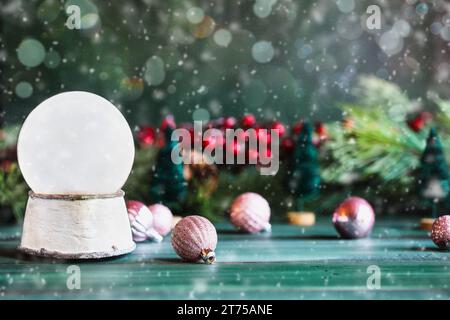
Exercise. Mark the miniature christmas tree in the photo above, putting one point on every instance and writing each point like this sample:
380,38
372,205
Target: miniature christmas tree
168,185
303,178
433,175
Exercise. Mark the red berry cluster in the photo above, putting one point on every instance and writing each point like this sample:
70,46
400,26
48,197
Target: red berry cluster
147,136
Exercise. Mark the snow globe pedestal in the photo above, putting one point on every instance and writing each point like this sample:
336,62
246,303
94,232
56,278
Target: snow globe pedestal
75,234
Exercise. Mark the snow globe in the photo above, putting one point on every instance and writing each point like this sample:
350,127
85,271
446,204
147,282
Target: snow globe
76,151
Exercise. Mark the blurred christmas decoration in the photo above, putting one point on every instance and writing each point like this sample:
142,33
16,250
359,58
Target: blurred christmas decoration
13,193
303,175
426,224
202,178
433,174
372,151
13,189
354,218
194,239
440,232
304,219
168,184
146,136
141,222
162,218
248,121
250,213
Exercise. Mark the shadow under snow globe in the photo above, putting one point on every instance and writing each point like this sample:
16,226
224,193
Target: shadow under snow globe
76,151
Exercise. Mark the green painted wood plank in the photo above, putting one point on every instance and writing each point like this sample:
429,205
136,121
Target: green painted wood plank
289,263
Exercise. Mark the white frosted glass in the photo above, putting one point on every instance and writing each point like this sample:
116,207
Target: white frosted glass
75,143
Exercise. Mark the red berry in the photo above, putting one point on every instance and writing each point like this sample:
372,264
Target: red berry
213,141
321,130
248,120
288,144
297,128
277,125
253,155
146,135
416,124
229,122
168,120
235,147
263,135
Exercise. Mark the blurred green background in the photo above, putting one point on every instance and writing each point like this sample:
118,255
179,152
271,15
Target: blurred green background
280,59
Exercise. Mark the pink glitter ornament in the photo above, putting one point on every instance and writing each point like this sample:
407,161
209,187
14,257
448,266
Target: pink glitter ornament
354,218
141,222
440,232
162,218
250,213
194,239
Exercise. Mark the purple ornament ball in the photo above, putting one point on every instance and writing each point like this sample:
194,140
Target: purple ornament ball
440,232
194,239
354,218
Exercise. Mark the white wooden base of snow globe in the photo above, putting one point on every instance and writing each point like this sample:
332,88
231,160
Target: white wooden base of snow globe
76,226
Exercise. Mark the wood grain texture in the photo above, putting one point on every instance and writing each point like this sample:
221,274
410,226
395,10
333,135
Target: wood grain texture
290,263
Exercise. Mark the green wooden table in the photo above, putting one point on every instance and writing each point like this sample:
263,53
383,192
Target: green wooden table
289,263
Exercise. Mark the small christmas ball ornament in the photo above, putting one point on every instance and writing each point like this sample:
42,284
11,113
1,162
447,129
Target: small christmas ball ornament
440,232
354,218
162,218
141,221
194,239
250,212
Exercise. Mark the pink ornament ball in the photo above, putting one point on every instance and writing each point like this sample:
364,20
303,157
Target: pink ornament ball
250,212
354,218
162,218
194,239
440,232
141,222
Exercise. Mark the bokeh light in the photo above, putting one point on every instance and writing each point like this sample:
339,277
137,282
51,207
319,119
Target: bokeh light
31,52
52,59
345,6
48,10
205,28
195,15
263,51
201,114
24,90
154,73
222,37
263,8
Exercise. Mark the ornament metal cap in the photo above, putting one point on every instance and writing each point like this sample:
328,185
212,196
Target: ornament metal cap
208,256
